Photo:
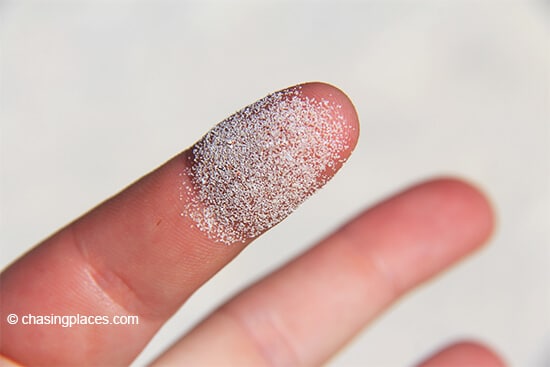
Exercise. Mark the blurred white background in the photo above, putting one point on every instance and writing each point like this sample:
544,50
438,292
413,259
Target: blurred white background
94,94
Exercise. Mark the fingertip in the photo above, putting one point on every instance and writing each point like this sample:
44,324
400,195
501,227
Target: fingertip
470,205
257,166
464,353
331,93
424,229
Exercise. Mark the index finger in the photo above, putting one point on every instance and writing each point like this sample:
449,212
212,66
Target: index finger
146,250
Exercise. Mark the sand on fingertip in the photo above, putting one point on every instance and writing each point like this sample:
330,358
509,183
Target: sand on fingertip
257,166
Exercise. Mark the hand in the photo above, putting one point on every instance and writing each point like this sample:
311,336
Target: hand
137,255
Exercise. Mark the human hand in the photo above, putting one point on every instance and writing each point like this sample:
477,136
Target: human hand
137,255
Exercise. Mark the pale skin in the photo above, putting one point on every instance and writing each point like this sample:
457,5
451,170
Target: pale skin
136,255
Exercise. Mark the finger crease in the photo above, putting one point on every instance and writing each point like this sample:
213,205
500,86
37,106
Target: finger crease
111,286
